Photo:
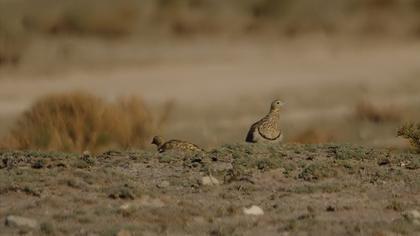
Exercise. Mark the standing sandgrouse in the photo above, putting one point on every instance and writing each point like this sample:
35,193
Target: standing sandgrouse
175,145
268,128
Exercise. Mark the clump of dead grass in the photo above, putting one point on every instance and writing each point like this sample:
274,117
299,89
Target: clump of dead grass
366,110
411,132
79,121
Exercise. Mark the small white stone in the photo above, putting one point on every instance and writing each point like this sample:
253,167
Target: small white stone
147,201
253,210
124,232
209,180
125,206
18,221
413,216
163,184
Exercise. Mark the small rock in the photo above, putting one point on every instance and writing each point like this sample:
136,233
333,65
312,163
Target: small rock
92,234
330,208
123,232
38,164
384,161
209,180
253,210
125,206
413,216
18,221
163,184
86,153
62,164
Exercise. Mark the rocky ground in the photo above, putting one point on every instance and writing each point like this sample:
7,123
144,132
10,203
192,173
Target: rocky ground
232,190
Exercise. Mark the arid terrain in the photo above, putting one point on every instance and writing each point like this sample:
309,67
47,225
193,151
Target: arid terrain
337,93
301,190
85,85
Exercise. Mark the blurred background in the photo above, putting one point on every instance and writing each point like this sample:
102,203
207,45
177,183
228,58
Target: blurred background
100,74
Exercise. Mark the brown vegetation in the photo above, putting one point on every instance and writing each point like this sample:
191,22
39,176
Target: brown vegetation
79,121
185,17
23,23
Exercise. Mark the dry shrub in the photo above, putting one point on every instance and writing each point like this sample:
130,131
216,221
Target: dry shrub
79,121
314,136
190,17
12,43
411,132
106,18
367,111
10,52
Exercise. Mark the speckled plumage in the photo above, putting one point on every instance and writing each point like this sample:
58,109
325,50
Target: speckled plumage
268,128
175,145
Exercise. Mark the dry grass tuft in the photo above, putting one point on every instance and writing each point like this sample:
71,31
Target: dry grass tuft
367,111
79,121
411,132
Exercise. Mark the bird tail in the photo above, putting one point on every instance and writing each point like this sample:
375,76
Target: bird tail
249,137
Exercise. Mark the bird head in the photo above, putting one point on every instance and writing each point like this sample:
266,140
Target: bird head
157,140
276,105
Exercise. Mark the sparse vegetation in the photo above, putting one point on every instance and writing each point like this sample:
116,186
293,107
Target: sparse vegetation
186,17
79,121
347,152
411,132
120,192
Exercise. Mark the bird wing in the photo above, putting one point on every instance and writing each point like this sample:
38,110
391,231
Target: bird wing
180,146
268,129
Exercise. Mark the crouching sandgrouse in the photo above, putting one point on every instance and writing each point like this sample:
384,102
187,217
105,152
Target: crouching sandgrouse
175,145
268,128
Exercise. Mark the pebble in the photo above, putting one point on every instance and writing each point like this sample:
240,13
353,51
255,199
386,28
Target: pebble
209,180
123,232
253,210
144,201
18,221
163,184
413,216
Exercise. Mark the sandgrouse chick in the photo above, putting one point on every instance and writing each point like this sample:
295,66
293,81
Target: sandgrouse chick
175,145
268,128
